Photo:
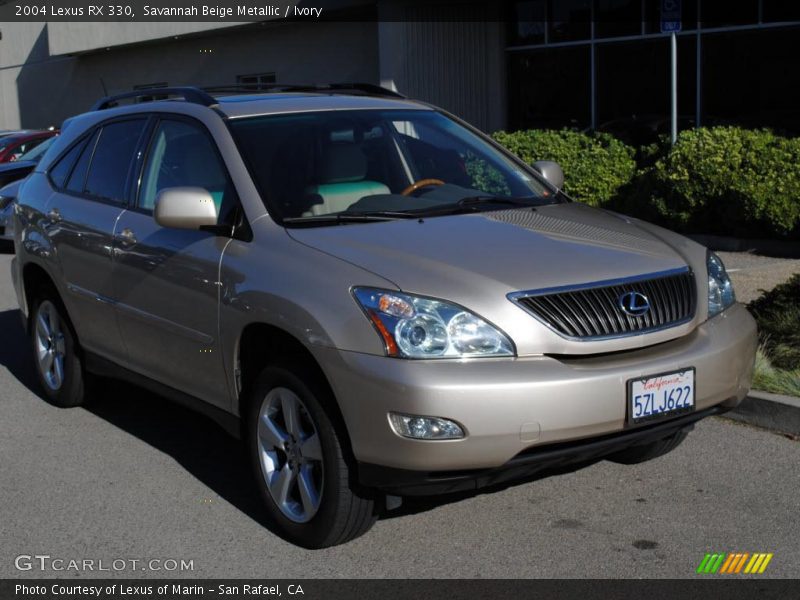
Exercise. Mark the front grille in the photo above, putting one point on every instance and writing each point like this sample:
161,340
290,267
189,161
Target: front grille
594,311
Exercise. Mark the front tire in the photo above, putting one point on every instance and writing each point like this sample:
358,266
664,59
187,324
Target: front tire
58,361
299,462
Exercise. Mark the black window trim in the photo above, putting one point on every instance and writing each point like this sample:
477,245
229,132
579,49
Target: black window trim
87,136
240,229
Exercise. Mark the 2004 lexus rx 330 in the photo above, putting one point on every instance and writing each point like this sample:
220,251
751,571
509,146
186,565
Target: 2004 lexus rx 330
377,297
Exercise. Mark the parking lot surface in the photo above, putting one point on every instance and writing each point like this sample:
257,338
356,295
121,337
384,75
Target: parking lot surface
134,477
752,274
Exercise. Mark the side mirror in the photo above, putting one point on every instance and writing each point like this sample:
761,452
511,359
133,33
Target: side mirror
185,208
551,171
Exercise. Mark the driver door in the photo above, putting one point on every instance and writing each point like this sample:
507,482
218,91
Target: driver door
167,280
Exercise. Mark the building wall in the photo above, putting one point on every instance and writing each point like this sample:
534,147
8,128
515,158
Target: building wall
38,89
451,55
75,37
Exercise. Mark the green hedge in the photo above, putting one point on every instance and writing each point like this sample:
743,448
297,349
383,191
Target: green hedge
730,181
778,315
720,180
595,166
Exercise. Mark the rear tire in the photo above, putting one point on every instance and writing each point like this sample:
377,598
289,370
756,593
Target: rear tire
639,454
298,460
59,365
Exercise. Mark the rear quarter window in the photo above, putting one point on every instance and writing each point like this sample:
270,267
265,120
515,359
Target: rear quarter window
63,167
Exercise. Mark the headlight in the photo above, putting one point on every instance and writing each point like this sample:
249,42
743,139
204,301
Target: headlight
417,327
720,288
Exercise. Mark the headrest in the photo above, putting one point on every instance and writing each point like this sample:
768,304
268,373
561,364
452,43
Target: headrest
343,163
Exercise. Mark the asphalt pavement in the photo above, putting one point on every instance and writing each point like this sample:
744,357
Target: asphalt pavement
133,477
752,274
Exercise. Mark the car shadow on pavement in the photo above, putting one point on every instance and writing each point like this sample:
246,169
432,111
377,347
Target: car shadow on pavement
196,442
15,353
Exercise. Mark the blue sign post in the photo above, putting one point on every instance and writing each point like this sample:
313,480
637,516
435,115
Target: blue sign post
671,23
670,16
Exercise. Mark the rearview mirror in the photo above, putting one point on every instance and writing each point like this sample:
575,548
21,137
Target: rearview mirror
551,171
185,208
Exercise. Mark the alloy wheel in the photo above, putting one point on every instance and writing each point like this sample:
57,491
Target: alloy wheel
49,345
290,453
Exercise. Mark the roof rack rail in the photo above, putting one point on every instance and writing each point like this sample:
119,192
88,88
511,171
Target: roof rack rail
190,94
368,89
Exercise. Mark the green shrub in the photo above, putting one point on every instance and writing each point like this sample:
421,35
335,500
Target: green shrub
778,315
595,165
777,381
729,181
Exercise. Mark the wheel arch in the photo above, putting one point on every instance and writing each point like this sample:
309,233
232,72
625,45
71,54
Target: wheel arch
35,278
261,345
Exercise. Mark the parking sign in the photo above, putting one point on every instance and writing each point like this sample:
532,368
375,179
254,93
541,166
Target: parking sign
670,16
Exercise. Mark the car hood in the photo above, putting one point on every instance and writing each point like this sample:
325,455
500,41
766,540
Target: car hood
476,260
516,249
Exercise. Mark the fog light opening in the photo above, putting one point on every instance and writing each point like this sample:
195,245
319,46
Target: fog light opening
420,427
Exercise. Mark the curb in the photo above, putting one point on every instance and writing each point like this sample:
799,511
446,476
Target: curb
775,248
770,411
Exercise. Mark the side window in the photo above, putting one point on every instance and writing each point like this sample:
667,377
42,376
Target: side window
61,170
111,163
24,147
77,179
183,154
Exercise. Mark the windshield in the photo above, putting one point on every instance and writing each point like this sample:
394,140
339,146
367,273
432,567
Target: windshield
38,151
344,166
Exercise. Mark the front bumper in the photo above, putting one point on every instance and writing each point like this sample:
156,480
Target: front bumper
511,406
403,482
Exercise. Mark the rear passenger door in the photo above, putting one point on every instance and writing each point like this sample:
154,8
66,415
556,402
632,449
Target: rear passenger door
167,280
92,182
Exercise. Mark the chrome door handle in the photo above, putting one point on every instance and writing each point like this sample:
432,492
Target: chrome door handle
54,215
127,237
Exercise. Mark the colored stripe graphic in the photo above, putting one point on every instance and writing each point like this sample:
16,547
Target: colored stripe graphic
728,564
734,562
703,563
741,562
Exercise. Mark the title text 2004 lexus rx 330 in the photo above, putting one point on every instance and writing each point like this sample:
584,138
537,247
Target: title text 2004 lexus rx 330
380,300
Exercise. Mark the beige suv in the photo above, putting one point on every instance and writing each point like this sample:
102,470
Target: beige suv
379,299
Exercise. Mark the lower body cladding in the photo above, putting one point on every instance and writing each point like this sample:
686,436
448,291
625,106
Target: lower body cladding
521,415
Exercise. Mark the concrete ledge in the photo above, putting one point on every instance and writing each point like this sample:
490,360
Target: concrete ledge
776,248
770,411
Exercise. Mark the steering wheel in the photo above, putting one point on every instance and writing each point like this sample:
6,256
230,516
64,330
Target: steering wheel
420,184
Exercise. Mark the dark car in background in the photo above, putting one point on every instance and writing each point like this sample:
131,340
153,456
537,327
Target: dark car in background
8,196
13,146
21,167
11,176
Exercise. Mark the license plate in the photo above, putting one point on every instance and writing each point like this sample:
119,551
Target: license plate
661,396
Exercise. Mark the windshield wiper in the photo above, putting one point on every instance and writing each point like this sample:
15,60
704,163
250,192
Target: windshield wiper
478,200
470,204
365,217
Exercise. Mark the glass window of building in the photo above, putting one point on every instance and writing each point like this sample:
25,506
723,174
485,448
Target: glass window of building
528,22
616,18
549,88
569,20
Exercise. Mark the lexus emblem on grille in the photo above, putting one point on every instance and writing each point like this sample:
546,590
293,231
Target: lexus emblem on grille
634,304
